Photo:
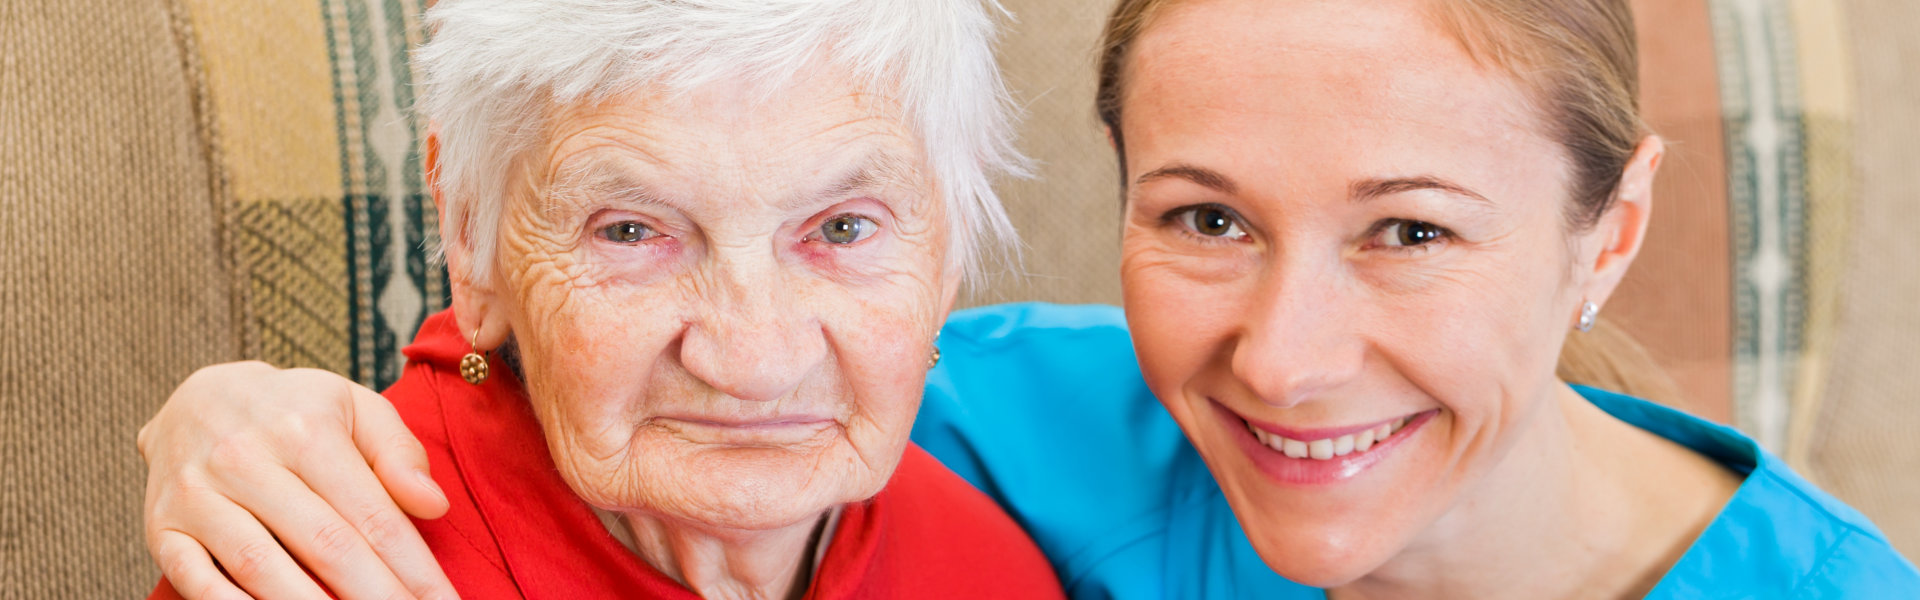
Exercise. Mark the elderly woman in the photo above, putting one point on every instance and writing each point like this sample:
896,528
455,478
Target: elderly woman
1357,237
699,253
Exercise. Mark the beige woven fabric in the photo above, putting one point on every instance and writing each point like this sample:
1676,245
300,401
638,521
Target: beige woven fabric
1068,216
1864,449
111,283
276,155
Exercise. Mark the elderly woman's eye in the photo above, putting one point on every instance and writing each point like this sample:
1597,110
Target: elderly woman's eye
846,229
627,232
1211,221
1405,234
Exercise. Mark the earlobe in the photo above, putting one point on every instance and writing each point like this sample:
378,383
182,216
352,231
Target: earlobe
475,304
479,312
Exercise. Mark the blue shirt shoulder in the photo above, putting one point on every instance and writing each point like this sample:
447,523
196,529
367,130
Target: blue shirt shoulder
1779,536
1043,408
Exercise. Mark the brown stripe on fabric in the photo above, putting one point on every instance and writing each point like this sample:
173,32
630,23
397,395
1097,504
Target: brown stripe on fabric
289,254
1677,300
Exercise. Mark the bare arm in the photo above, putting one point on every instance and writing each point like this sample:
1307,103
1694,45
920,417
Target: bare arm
244,453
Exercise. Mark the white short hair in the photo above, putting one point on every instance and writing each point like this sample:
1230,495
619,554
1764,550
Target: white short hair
494,69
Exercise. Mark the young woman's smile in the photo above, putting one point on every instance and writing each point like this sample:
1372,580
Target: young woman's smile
1325,455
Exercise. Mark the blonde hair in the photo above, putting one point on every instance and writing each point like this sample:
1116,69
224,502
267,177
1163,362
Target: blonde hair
1578,61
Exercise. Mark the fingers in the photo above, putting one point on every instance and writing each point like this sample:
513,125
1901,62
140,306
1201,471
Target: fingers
312,530
247,552
355,495
396,455
190,570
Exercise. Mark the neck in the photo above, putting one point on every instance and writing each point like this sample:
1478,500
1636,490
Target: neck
771,564
1582,505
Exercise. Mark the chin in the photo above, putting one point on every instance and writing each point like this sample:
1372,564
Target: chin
1317,561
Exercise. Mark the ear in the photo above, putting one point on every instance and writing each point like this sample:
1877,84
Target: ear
948,294
1622,231
476,306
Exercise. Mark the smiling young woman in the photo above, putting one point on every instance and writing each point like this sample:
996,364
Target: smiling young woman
1357,239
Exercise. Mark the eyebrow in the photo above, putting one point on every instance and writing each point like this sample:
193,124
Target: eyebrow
1360,191
877,170
600,178
1368,189
1204,177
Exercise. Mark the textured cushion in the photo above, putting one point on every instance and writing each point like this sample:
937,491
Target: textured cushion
112,285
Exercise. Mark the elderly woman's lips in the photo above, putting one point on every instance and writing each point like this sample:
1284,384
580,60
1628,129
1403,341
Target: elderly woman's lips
746,432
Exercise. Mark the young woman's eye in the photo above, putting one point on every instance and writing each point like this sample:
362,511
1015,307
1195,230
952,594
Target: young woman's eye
845,229
1211,221
627,232
1401,233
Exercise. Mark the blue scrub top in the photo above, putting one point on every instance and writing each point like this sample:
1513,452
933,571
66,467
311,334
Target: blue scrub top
1043,408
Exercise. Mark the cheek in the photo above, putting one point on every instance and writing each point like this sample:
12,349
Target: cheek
1479,337
590,354
882,339
1178,314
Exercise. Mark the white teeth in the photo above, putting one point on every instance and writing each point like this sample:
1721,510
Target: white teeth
1293,448
1320,449
1324,449
1343,445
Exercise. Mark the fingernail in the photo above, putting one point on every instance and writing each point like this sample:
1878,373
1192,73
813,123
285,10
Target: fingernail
427,480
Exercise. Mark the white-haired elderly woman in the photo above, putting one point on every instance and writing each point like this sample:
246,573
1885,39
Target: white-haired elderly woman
699,253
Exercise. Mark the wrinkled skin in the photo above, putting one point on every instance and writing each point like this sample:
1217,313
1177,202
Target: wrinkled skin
731,307
701,351
1337,218
723,303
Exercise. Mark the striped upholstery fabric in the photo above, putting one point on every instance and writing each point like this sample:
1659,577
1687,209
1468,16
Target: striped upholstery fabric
183,182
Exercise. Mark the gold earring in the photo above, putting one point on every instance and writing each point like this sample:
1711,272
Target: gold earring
935,359
473,366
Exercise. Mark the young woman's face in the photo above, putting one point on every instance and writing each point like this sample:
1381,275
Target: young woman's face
1347,266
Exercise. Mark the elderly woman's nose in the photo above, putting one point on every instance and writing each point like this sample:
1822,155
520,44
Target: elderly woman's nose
1298,338
754,345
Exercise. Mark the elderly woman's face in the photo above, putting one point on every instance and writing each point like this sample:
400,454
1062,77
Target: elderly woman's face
1342,232
723,303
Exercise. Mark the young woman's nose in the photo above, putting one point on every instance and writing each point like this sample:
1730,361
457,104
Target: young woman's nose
1299,336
